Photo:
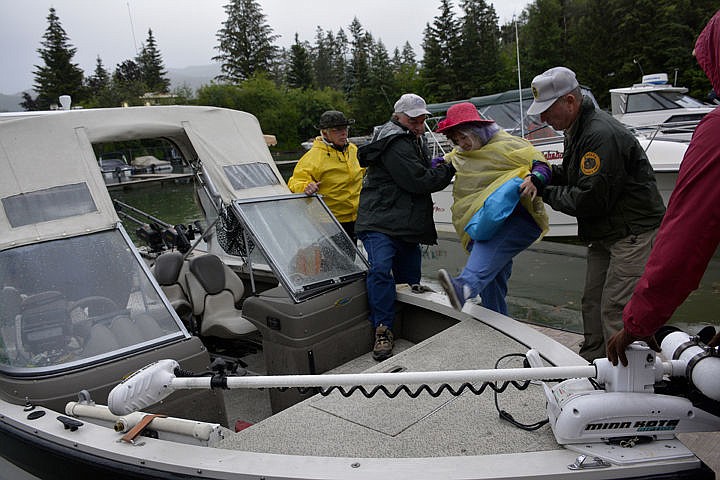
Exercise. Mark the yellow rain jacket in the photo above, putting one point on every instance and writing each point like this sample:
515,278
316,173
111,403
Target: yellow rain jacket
339,174
480,172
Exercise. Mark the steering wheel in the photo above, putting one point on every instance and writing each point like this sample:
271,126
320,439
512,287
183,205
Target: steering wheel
99,309
107,317
95,305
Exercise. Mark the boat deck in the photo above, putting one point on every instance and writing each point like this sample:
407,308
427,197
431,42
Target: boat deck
400,427
395,427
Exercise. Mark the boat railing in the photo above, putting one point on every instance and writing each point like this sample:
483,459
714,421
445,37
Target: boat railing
679,131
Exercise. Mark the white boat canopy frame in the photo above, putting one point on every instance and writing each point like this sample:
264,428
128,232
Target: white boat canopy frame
70,197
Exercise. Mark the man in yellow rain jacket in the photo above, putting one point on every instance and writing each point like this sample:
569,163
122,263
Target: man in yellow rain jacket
331,169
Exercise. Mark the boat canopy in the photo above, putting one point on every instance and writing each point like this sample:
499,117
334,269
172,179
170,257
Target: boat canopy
505,109
70,197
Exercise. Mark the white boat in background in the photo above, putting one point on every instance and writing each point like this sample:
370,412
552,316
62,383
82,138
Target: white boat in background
509,109
657,108
282,352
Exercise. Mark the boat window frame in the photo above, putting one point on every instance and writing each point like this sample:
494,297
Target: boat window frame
48,204
303,291
123,352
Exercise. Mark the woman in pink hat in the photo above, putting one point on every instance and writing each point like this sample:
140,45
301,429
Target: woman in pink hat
497,211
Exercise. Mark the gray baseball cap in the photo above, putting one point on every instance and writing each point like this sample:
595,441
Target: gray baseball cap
411,105
549,86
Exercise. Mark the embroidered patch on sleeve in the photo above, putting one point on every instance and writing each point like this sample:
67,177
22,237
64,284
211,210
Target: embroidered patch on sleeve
590,163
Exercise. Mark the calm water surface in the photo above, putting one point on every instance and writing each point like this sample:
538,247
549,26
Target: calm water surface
545,287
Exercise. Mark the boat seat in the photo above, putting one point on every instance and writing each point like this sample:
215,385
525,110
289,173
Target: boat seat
215,294
125,331
10,303
148,326
45,322
100,341
169,270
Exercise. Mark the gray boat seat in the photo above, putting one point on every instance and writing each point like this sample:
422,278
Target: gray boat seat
100,341
215,294
125,331
45,322
10,302
169,270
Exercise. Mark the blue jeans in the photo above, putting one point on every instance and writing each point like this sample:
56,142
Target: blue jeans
488,269
391,261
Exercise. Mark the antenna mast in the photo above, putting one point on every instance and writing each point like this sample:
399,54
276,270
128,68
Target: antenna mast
132,29
517,54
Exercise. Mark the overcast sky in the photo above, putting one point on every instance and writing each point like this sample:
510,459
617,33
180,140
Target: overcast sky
185,30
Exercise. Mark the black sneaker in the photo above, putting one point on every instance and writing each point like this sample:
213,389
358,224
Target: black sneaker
384,343
419,288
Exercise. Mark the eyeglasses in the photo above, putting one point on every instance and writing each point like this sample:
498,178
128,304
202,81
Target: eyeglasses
339,129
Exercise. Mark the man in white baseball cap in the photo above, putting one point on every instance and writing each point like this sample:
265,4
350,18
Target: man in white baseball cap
395,215
411,105
606,181
550,86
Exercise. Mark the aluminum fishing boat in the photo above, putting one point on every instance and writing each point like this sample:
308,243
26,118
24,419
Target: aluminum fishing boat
252,359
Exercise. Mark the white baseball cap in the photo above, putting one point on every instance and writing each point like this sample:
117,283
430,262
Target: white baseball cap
411,105
549,86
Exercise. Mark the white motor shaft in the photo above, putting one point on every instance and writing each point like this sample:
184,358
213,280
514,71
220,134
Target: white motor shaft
703,368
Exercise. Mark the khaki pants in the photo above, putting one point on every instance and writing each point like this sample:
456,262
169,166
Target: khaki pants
613,269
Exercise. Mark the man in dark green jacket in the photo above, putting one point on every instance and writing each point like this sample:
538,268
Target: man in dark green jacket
395,214
606,181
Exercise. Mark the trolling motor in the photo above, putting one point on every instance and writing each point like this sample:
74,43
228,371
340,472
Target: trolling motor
599,402
624,402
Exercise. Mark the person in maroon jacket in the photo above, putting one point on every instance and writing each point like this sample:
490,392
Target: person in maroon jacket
690,232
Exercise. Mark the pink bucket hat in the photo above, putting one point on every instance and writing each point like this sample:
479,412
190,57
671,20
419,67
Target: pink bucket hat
459,114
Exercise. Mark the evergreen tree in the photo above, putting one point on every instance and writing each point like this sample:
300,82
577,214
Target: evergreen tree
340,50
381,90
358,69
279,67
58,76
151,66
100,78
245,42
299,73
324,60
441,42
99,87
128,84
406,70
544,38
29,103
358,76
478,58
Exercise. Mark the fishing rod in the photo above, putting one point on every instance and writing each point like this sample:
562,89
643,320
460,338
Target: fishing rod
119,206
432,134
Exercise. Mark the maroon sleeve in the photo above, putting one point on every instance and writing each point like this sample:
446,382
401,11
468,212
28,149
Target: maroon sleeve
688,235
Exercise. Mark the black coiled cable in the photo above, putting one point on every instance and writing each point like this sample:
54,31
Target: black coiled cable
424,388
507,416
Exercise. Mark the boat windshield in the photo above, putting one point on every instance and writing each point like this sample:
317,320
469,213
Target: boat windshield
302,242
651,101
68,302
